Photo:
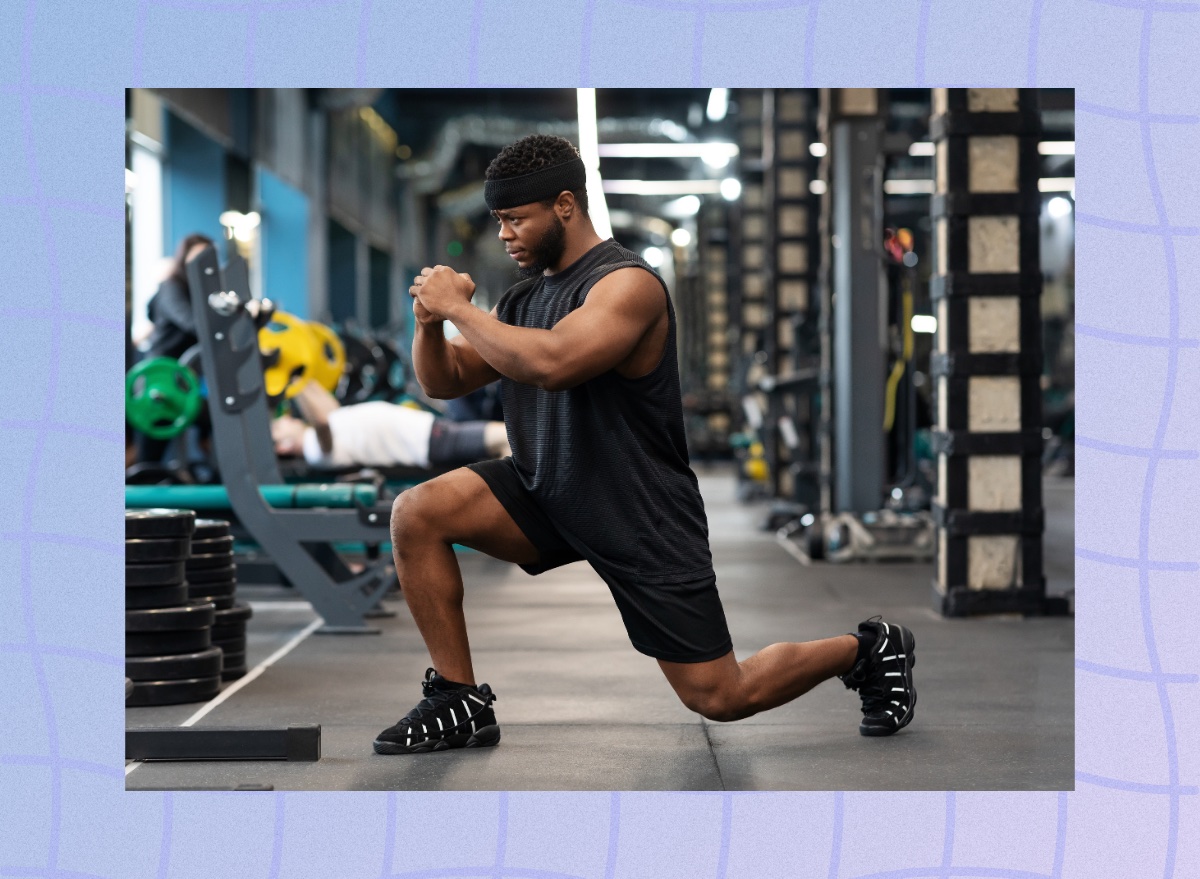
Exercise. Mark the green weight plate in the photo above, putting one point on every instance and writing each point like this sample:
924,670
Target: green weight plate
174,692
159,523
162,397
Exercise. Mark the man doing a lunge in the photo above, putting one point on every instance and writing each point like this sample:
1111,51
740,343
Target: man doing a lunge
585,350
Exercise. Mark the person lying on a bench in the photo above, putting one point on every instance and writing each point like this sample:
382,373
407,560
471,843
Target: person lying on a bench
381,434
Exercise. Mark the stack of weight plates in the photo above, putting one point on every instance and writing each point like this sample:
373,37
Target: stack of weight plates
229,633
212,577
168,656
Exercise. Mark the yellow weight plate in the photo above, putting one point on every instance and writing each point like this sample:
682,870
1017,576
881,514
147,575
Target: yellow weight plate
331,357
291,350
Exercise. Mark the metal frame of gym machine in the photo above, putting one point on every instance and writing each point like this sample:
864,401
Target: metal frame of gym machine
299,541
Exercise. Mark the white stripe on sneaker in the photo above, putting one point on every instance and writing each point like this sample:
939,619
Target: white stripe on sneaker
476,698
453,718
440,727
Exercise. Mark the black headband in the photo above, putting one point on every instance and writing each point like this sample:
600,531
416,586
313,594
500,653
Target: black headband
510,192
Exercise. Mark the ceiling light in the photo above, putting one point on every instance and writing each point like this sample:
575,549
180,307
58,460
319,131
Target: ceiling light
924,323
654,256
1057,148
817,149
681,237
731,188
718,104
687,206
662,187
921,148
707,151
1059,207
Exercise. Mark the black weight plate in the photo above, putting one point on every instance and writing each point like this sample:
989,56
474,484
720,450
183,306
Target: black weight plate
226,587
159,523
205,664
234,645
227,636
166,549
174,692
220,602
189,615
208,562
166,643
239,613
212,546
211,575
163,574
232,674
207,529
233,659
144,597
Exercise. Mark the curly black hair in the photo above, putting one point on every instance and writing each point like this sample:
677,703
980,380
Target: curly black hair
531,154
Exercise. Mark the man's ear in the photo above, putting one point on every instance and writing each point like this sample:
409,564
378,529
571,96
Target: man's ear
565,205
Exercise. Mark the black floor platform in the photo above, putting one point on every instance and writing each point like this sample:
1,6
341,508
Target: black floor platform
581,710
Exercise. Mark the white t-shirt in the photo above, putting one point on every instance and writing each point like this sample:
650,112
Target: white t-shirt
376,434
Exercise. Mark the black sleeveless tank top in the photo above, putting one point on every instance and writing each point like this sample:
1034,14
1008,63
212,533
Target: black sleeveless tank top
607,459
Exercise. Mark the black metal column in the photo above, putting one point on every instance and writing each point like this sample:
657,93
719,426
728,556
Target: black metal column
859,290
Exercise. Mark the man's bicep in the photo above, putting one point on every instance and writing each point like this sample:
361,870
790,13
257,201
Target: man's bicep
605,330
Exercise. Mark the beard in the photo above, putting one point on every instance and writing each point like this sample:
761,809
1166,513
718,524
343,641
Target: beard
547,252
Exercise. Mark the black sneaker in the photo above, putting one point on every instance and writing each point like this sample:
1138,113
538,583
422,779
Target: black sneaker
448,717
883,678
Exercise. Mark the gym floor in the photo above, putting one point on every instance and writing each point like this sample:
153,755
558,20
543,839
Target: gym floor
579,709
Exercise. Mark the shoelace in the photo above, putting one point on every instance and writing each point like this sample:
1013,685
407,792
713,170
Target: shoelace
435,697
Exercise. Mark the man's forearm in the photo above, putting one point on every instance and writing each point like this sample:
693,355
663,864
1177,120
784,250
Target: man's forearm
519,353
434,362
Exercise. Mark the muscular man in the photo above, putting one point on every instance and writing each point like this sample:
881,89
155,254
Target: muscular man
585,348
381,434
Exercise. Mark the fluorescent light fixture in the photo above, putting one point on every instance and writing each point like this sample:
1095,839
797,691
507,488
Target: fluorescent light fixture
130,181
718,104
924,323
687,206
654,256
662,187
1057,147
589,140
908,187
817,187
921,148
817,149
731,188
681,237
1056,184
1059,207
714,150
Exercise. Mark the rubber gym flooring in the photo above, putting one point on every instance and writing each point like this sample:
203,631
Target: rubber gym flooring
579,709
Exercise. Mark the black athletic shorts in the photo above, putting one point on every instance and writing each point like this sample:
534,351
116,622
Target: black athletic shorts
677,622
